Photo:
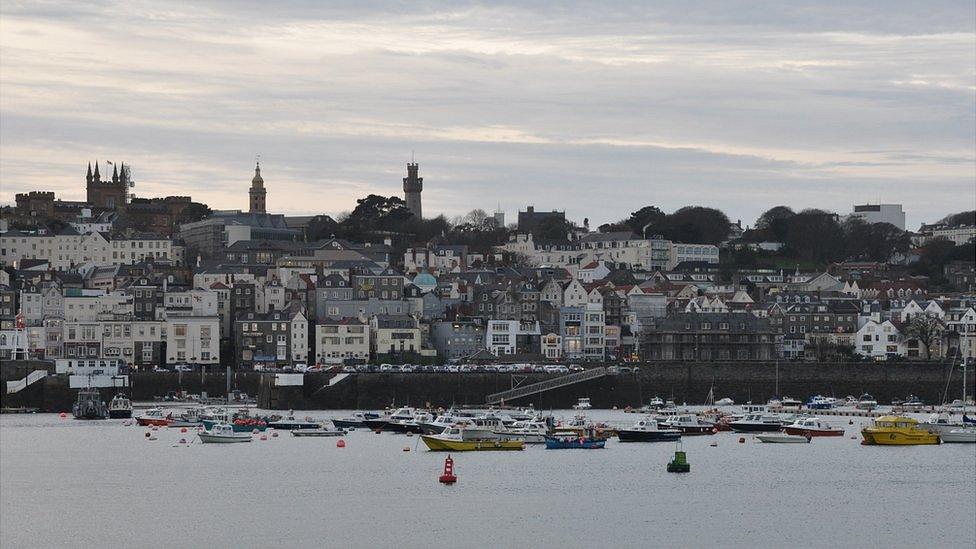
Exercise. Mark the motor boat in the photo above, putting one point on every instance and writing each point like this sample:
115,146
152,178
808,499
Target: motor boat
818,402
812,426
393,422
532,431
689,424
897,431
582,404
579,442
357,420
192,417
790,402
89,405
153,417
223,433
467,439
443,421
647,430
756,422
291,424
866,402
655,403
965,434
941,423
913,401
783,438
120,407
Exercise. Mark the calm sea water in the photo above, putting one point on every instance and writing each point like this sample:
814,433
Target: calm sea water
99,484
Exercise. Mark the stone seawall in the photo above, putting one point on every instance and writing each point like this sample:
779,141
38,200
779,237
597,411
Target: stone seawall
684,382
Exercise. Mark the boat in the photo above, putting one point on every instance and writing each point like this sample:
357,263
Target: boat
897,431
403,420
913,401
468,439
941,423
532,431
89,405
790,402
783,438
756,422
689,424
647,430
442,422
866,402
725,402
153,417
291,424
223,433
192,417
582,404
966,434
812,426
120,407
357,420
818,402
319,432
241,421
574,443
655,403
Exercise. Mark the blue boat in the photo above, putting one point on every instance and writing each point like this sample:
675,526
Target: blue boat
818,402
574,442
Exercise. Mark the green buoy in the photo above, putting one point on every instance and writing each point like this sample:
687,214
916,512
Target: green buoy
679,464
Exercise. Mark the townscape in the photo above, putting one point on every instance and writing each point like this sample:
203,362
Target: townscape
168,283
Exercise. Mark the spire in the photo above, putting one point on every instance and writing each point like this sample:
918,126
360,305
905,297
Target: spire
258,181
97,177
89,176
115,173
122,172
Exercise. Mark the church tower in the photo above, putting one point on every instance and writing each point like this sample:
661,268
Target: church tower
257,193
412,187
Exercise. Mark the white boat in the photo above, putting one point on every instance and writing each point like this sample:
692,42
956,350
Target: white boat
725,402
966,434
582,404
291,424
533,431
781,438
812,426
120,407
223,433
866,402
941,423
790,402
689,424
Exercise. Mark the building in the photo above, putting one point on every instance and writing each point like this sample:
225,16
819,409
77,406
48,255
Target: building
265,340
710,336
880,340
342,340
881,213
413,185
257,194
509,337
454,339
209,237
957,234
395,335
530,219
109,194
692,253
583,332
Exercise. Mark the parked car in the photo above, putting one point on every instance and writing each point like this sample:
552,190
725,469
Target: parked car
575,368
453,368
349,369
183,368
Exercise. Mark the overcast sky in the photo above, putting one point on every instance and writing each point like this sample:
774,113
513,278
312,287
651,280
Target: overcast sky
597,110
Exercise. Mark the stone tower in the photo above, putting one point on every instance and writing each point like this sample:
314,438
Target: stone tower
412,187
110,194
258,193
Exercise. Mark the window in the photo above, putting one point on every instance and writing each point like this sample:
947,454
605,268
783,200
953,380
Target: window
180,330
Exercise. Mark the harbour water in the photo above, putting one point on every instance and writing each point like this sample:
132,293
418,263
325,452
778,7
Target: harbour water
74,483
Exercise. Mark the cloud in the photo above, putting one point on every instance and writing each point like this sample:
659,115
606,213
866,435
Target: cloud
591,109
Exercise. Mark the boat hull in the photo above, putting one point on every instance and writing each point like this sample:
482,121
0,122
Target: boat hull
963,436
208,424
293,426
783,439
553,443
222,439
432,428
895,438
376,424
813,432
120,414
755,427
151,421
691,430
316,433
347,423
627,435
437,444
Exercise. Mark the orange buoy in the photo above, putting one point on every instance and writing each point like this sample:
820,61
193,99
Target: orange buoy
340,443
448,476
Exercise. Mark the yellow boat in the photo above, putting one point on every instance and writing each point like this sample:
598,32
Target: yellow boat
461,439
897,431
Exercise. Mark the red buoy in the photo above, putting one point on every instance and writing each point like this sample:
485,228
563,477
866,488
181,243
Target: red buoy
448,477
341,443
63,415
182,429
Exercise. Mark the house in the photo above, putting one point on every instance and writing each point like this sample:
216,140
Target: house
455,339
342,340
709,336
594,270
509,337
394,335
880,340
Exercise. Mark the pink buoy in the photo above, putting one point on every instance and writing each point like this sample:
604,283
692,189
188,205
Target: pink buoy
264,437
182,429
340,443
63,415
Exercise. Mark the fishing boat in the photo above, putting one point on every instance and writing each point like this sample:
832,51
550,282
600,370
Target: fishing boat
812,426
782,438
357,420
897,431
574,443
582,404
647,430
467,439
89,405
790,402
289,423
866,402
756,422
241,421
965,434
320,432
818,402
395,422
120,407
153,417
223,433
191,417
689,424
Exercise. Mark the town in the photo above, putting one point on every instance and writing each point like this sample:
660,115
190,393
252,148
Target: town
167,283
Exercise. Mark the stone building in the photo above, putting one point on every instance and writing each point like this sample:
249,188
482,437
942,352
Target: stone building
710,336
109,194
413,185
258,194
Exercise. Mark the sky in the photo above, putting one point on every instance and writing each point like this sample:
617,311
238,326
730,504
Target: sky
592,108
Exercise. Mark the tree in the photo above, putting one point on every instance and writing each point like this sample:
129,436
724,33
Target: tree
650,217
697,225
815,235
926,329
194,211
552,228
772,224
874,241
961,218
321,226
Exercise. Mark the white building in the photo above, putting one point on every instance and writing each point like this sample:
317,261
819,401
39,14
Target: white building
681,253
881,213
879,341
339,339
502,337
193,340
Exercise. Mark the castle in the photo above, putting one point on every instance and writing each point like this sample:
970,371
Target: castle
109,194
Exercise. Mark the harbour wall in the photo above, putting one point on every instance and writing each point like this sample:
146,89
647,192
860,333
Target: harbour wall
684,382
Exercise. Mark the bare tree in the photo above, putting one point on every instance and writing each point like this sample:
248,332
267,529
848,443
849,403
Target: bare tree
926,329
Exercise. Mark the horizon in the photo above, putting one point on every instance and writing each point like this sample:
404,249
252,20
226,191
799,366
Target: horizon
731,107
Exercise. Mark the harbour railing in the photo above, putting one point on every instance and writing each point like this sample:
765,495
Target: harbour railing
548,385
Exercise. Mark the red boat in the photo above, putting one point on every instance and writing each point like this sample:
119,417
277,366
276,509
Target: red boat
153,416
814,427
